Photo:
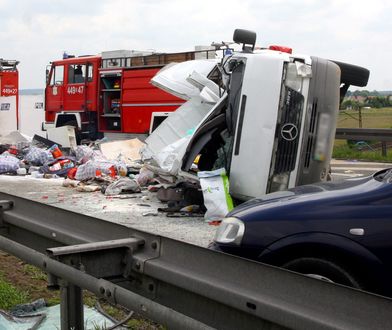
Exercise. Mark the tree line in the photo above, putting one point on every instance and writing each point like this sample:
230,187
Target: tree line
370,99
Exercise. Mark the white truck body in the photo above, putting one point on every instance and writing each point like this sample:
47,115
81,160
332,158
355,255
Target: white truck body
269,94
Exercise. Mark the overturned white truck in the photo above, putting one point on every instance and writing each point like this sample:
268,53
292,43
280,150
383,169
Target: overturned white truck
268,117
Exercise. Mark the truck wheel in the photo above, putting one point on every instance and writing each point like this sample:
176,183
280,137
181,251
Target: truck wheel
324,270
353,74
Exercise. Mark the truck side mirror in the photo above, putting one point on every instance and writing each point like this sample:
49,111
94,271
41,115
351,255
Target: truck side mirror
245,37
47,73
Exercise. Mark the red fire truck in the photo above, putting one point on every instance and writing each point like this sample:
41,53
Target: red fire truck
110,92
9,85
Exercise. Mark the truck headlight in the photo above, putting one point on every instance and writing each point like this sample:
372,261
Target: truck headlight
231,230
323,134
279,182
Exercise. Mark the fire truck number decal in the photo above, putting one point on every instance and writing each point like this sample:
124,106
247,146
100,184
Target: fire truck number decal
72,90
9,91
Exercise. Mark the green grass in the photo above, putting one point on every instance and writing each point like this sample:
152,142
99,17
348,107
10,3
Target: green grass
34,272
343,151
371,118
10,296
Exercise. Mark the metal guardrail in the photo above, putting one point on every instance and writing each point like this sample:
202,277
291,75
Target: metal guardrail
358,134
177,284
383,135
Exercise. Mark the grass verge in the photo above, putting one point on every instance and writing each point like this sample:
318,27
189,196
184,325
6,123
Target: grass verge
10,295
343,151
371,118
22,283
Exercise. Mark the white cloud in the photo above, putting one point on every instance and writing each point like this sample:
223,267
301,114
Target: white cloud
38,32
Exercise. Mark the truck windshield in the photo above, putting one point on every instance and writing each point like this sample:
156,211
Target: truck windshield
57,77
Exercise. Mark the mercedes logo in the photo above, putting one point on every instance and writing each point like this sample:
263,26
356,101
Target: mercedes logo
289,132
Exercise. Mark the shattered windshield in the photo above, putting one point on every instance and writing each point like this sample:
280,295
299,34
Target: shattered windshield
212,145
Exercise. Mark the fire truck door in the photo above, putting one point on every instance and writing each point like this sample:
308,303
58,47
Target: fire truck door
55,90
77,88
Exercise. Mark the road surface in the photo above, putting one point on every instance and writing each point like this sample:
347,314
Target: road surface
344,169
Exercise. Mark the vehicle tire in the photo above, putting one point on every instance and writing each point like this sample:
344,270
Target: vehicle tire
353,74
323,269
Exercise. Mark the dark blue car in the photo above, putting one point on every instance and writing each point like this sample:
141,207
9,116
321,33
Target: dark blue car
336,231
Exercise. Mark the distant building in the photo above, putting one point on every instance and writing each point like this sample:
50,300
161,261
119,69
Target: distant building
356,98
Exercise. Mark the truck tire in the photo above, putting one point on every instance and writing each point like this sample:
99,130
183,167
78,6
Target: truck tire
323,269
353,74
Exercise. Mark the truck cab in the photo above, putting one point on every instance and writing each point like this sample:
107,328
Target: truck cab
273,126
275,129
71,91
9,96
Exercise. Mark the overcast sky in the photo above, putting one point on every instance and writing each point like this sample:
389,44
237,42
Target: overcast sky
37,32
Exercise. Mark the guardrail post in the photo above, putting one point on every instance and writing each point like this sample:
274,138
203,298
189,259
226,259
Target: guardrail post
383,148
71,306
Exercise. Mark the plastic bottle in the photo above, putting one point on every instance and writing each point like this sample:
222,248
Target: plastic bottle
56,152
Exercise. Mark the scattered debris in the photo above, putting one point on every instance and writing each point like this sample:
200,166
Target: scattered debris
217,200
122,185
21,171
70,183
114,168
88,188
150,213
8,163
14,138
37,316
124,150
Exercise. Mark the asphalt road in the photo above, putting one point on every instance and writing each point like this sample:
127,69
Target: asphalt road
344,169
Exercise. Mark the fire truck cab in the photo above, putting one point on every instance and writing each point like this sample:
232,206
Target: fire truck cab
111,92
71,92
9,94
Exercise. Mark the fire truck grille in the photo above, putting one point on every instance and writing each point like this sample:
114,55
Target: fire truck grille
288,132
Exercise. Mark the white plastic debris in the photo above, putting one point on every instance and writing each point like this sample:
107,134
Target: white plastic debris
215,187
